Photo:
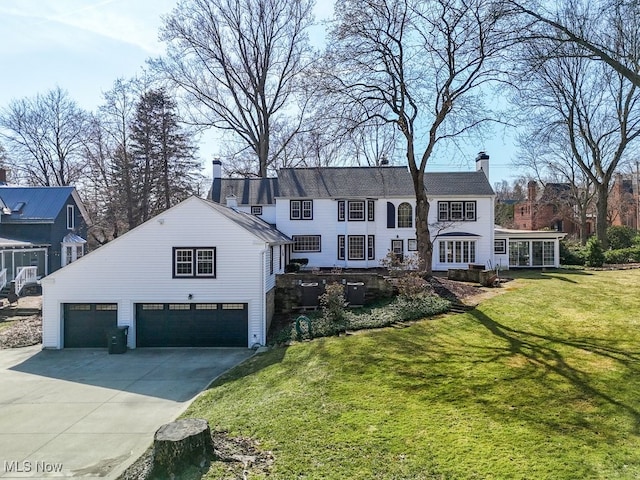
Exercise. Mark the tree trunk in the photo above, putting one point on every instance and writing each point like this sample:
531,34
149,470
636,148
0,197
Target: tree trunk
601,214
423,236
180,444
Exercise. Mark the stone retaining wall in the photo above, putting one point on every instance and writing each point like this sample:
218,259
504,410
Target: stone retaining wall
289,287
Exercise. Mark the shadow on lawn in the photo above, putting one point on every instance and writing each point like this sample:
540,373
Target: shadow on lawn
539,351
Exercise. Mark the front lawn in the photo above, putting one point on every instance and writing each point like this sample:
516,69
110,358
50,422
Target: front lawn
540,382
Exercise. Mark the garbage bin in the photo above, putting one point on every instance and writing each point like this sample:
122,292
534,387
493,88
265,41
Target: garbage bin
117,339
355,293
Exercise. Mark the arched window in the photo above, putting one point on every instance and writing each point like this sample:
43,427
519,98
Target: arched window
405,215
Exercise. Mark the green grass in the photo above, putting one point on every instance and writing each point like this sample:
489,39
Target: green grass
540,382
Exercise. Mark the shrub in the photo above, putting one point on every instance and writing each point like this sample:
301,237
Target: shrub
594,254
292,267
620,236
332,302
412,284
571,253
623,255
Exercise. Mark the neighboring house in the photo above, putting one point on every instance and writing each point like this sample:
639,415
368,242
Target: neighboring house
40,227
352,217
199,274
624,201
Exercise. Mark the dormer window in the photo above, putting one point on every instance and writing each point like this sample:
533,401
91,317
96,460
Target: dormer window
71,224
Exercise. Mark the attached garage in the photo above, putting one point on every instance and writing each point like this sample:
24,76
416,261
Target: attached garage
86,324
192,324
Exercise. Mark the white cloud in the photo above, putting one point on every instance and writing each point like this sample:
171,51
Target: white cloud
31,24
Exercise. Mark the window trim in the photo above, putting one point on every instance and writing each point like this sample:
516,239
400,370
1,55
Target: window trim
301,206
454,251
363,211
364,247
71,217
341,210
371,210
371,247
194,262
469,212
412,245
342,247
256,209
500,246
293,247
404,206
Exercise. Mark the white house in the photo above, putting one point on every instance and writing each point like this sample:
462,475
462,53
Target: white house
199,274
352,217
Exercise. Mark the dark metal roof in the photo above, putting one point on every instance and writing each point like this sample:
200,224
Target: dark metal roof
337,182
34,204
457,184
249,191
261,229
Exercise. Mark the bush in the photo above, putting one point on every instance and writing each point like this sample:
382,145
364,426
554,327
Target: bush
620,236
332,302
623,255
571,253
292,268
401,309
594,254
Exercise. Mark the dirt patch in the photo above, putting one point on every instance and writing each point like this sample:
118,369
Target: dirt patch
21,331
236,455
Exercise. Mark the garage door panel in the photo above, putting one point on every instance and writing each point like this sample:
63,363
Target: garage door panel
86,324
192,325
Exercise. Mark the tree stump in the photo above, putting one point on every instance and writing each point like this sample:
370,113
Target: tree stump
180,444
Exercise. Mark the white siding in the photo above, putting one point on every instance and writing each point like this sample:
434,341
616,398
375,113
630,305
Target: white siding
325,223
137,268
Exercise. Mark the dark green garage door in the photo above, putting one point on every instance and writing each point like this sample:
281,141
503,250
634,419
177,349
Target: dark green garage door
191,324
85,324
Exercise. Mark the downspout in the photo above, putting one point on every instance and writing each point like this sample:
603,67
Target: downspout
263,301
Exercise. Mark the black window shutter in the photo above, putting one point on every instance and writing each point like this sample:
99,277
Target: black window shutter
391,215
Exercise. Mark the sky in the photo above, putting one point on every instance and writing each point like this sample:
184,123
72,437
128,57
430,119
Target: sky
83,46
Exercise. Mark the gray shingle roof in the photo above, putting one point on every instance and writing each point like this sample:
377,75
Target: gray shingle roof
336,182
261,229
457,183
249,191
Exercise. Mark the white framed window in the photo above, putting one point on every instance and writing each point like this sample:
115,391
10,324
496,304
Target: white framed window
371,247
457,251
190,262
405,215
341,210
500,246
341,247
470,211
256,210
412,245
301,209
356,248
371,210
71,217
306,243
356,210
456,211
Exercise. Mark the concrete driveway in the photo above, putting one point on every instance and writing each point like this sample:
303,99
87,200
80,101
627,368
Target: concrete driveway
85,413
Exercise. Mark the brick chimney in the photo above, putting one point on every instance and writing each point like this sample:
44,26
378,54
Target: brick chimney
532,190
482,163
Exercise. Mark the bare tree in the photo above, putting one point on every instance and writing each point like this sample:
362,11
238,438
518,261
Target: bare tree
45,137
419,67
238,64
602,29
570,100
